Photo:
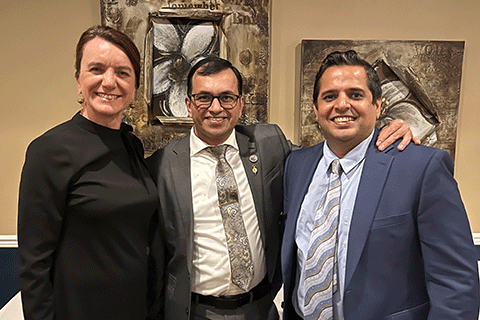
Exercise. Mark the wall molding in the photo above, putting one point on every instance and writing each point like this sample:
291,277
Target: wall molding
476,239
10,241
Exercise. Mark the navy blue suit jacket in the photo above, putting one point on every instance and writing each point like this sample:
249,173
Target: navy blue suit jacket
410,249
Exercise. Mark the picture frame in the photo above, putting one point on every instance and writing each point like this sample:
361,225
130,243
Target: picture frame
242,36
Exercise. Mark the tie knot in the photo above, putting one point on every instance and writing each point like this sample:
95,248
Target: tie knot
218,151
336,167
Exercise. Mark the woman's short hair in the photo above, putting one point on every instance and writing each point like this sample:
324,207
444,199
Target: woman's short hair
116,37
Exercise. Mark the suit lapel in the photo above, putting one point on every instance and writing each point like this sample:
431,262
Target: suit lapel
301,168
311,158
300,175
374,175
182,184
248,148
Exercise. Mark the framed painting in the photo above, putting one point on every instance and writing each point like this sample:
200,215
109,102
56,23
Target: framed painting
172,36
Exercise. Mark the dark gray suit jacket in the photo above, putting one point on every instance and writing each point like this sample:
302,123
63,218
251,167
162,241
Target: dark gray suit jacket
171,169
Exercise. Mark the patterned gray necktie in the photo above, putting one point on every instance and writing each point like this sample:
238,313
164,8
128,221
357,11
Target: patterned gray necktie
321,263
237,241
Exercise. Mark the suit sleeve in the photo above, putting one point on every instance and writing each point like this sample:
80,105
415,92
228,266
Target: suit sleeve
447,247
42,197
157,259
287,145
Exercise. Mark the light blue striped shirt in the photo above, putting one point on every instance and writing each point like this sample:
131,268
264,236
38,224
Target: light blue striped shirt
352,166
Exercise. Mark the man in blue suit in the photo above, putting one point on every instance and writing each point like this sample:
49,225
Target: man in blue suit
401,245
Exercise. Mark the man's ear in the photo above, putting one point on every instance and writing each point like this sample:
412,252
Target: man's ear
378,107
315,109
188,104
242,103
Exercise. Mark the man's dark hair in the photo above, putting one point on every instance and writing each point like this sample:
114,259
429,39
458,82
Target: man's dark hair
348,58
213,65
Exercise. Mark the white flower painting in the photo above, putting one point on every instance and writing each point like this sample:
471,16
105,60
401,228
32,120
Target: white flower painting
178,45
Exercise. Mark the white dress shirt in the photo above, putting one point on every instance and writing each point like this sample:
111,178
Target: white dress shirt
211,274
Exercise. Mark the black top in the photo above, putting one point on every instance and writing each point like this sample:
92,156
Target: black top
85,205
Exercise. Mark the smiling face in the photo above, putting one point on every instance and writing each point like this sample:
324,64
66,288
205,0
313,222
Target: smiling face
344,110
106,81
214,124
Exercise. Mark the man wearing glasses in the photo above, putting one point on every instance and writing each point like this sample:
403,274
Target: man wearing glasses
221,196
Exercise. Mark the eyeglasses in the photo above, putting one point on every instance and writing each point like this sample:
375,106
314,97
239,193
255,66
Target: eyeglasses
204,100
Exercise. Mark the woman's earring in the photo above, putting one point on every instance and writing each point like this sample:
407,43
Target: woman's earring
81,99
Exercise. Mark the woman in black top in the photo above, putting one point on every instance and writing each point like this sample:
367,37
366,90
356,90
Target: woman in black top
87,200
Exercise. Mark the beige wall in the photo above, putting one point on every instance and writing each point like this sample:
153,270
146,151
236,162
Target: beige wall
38,89
293,21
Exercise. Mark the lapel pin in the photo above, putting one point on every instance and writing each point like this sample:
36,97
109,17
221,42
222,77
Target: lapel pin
254,169
253,158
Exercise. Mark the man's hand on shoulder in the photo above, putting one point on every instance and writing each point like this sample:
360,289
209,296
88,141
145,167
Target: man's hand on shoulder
394,130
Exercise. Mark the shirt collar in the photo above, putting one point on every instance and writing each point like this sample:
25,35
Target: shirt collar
197,145
351,159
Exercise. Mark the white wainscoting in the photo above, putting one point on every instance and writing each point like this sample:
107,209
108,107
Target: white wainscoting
476,239
8,241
